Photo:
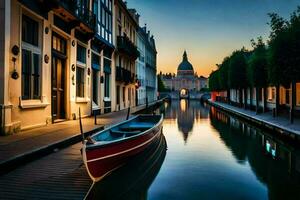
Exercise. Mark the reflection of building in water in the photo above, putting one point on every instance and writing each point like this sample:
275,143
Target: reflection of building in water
186,113
275,164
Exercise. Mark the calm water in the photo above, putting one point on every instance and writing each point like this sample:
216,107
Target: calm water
209,155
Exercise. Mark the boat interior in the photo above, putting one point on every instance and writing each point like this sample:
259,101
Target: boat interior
128,128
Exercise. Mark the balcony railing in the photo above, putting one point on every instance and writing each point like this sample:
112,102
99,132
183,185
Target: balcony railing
124,75
124,45
79,11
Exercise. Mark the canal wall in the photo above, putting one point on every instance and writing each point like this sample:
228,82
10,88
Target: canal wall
279,126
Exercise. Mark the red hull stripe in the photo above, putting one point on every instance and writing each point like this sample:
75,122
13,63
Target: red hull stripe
120,146
122,152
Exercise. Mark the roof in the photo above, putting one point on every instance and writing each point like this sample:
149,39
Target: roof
185,65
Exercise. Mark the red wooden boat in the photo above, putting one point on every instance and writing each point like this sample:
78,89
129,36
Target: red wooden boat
111,148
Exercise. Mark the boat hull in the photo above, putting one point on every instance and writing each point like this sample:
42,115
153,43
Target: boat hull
102,160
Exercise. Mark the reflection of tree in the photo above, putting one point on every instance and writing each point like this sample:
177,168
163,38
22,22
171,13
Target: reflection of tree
248,144
186,112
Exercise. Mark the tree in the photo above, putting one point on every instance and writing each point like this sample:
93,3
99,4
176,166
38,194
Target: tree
161,85
257,69
284,54
237,78
213,82
223,76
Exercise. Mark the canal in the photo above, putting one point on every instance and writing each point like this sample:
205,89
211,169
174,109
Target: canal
207,155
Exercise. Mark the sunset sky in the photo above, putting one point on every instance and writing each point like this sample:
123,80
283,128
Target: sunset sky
208,29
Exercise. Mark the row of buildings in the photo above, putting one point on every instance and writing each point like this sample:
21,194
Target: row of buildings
265,99
59,55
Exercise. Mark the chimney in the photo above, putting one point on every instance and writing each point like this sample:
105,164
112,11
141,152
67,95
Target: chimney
145,28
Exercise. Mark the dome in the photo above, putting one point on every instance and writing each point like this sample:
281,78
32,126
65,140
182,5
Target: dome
185,67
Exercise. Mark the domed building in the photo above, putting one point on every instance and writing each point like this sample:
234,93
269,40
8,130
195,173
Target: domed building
186,80
185,68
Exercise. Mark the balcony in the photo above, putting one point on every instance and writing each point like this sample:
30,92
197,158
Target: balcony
124,45
77,14
124,75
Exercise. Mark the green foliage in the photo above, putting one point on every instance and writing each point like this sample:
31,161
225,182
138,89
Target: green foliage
237,78
161,85
223,73
204,90
284,49
213,81
279,64
258,64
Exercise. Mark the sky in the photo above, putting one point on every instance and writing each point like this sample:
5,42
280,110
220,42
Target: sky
208,30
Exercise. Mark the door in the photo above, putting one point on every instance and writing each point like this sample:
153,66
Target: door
58,88
95,86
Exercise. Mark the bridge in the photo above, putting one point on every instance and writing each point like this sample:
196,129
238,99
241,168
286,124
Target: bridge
189,95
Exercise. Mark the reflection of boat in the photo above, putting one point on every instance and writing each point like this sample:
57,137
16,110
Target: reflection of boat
110,148
132,180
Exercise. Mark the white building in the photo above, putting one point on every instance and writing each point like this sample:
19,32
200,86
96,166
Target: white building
141,68
151,68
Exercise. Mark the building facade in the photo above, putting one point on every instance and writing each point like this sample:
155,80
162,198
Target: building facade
186,81
102,53
126,24
151,68
48,62
59,56
141,67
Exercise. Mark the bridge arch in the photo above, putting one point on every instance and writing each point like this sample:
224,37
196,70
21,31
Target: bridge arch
184,93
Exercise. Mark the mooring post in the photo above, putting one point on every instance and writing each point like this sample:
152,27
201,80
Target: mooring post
80,125
128,113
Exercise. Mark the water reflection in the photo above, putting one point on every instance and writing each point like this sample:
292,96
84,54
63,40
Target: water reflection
275,164
186,113
132,180
222,158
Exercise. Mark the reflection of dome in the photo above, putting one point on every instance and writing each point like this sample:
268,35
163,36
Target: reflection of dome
185,67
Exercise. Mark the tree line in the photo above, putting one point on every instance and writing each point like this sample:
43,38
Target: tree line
272,63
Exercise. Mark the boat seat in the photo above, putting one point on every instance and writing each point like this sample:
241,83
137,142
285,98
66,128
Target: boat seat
124,133
136,127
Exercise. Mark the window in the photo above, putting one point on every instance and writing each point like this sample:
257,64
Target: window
31,59
106,20
80,71
95,9
30,31
95,61
81,54
58,44
80,82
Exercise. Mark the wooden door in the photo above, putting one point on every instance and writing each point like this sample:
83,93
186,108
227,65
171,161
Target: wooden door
58,88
